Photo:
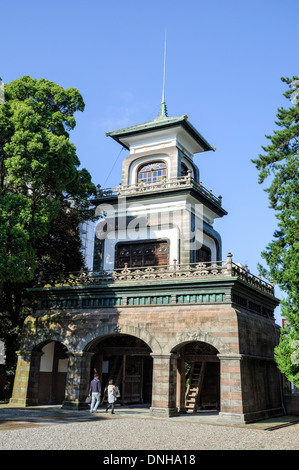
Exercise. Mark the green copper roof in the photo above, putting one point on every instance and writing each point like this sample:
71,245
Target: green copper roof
161,122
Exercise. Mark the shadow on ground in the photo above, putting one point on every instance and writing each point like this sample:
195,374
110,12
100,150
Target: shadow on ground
12,417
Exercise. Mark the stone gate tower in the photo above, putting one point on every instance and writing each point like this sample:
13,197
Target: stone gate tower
176,324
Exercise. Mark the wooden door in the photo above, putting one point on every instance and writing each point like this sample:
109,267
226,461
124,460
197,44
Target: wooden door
132,380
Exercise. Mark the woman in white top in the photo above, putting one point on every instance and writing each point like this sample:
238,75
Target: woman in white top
111,396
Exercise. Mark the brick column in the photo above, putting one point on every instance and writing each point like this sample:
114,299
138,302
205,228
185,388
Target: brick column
164,385
249,388
231,402
77,380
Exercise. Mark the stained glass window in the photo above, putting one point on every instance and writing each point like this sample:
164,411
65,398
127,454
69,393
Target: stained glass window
152,172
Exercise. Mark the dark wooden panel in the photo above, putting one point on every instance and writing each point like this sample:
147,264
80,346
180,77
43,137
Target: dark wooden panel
132,380
203,255
154,253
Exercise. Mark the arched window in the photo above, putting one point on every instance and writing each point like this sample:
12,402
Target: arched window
203,254
152,172
184,169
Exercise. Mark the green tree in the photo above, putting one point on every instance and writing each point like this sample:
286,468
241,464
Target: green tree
43,193
60,250
38,168
280,163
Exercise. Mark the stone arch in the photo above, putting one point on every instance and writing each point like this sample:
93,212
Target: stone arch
39,332
185,161
86,343
46,362
196,353
195,334
109,349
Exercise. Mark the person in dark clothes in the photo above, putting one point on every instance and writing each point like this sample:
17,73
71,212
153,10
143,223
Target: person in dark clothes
95,392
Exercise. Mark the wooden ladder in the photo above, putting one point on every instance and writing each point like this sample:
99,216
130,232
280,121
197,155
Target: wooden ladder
194,386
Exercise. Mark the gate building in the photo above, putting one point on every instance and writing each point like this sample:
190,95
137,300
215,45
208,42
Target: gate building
175,323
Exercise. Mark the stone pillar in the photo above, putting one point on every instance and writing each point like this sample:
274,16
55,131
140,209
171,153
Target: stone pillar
164,385
249,388
25,390
261,387
231,403
77,380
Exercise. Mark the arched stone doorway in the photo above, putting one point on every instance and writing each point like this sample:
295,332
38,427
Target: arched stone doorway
52,371
198,377
127,360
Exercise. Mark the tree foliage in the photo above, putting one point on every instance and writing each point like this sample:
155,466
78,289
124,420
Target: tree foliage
39,169
280,163
44,194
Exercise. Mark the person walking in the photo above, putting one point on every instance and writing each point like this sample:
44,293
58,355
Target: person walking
111,397
95,392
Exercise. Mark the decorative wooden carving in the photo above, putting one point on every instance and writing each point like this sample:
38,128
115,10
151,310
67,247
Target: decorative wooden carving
154,253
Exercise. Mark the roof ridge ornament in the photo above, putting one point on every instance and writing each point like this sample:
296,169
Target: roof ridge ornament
163,108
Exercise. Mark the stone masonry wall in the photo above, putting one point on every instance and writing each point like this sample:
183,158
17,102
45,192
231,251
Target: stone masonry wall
249,385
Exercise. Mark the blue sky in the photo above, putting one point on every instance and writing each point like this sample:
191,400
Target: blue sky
223,68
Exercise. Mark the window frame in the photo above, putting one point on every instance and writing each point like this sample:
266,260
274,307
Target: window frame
157,242
151,162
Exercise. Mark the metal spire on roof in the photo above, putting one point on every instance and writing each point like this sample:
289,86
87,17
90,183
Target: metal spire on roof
163,107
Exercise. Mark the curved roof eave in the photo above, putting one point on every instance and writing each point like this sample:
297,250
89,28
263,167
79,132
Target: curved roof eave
158,124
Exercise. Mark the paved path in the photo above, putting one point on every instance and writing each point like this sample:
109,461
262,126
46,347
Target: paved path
131,428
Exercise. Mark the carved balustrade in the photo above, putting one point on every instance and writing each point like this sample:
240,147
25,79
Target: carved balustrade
167,183
201,270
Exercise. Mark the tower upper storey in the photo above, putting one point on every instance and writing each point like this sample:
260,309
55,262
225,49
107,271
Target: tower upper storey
168,141
161,163
161,192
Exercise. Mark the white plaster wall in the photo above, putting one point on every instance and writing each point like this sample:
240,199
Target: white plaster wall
46,361
162,225
151,141
62,365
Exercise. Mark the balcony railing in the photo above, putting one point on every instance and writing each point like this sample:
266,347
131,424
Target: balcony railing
164,185
198,271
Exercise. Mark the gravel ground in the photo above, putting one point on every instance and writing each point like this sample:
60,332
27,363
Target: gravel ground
125,433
